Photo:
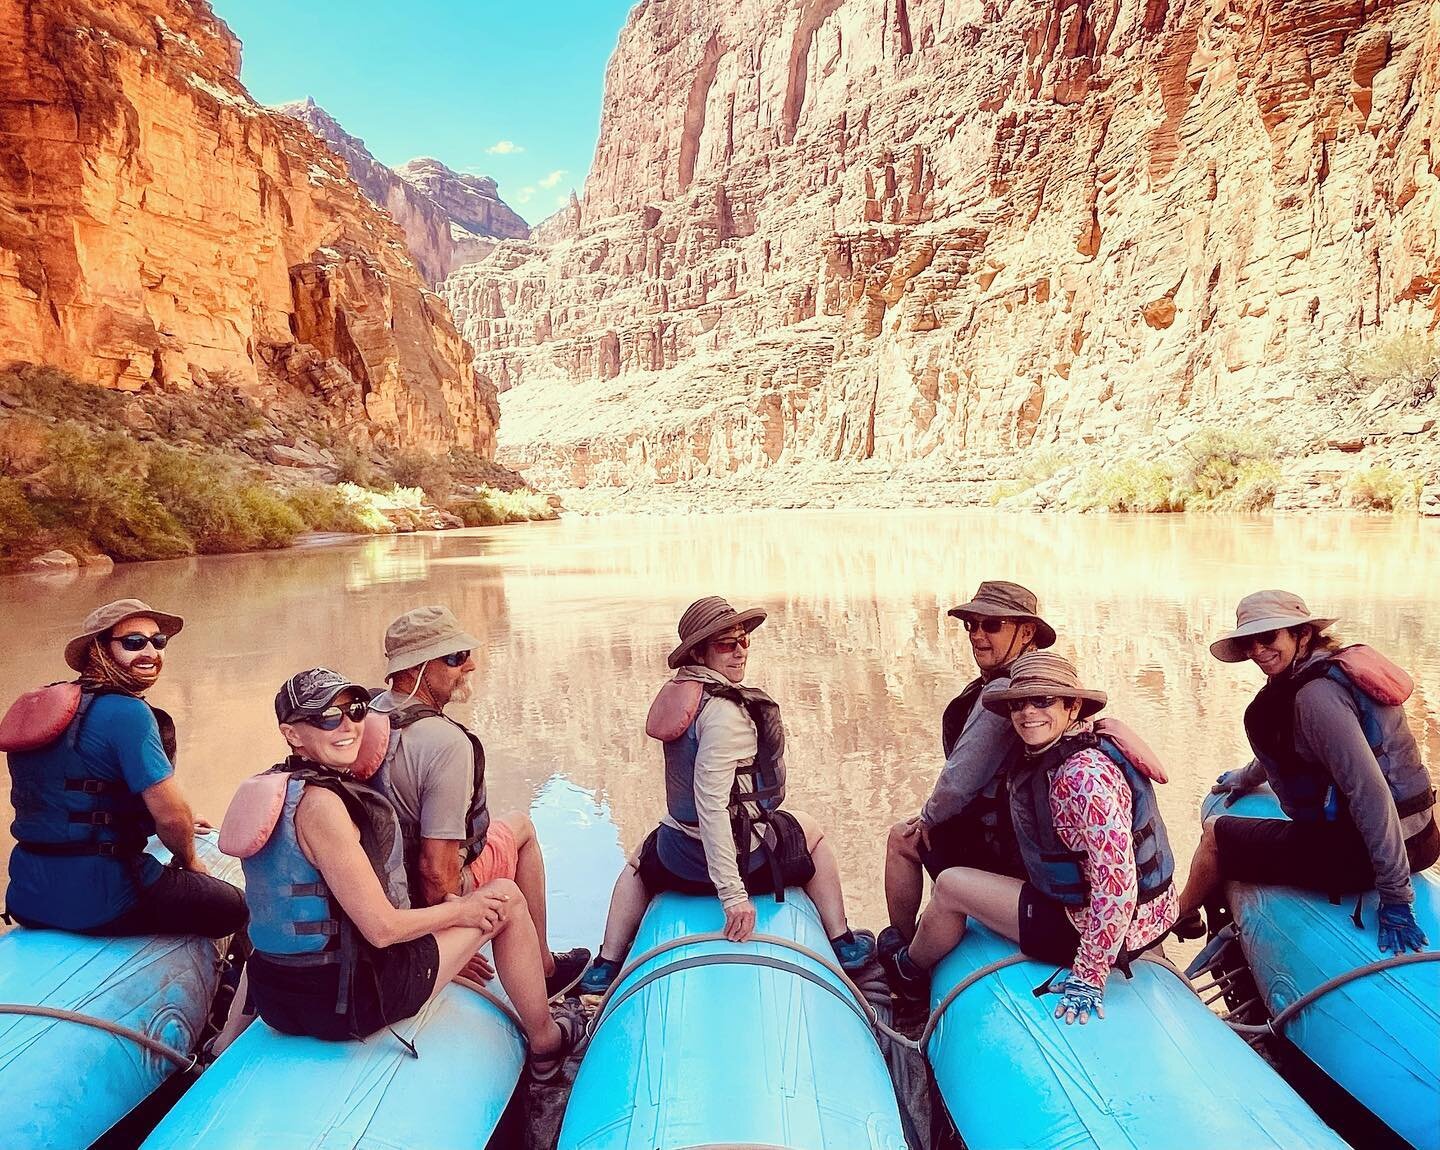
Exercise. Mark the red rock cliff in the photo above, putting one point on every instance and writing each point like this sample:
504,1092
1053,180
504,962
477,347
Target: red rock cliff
157,227
929,232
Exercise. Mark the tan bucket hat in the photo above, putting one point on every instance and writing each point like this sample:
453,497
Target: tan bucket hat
102,619
423,634
1264,611
1044,673
1009,601
707,617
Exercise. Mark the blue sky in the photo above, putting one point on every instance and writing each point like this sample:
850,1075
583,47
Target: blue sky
510,90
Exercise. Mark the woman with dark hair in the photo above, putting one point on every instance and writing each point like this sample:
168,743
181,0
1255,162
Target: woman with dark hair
1330,736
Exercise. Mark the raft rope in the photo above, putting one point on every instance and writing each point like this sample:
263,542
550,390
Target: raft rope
1276,1024
139,1037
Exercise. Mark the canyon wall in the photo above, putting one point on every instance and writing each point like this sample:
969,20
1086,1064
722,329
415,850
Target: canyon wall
159,229
871,236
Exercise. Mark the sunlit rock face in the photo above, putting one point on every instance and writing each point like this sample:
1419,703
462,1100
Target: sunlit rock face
159,228
923,233
449,219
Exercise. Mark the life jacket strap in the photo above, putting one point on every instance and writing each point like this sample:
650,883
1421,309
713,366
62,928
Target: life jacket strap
1413,806
328,927
97,786
309,890
79,850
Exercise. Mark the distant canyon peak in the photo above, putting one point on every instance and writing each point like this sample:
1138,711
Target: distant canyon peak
450,218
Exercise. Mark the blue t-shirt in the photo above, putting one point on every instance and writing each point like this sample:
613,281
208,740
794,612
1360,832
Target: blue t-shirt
119,739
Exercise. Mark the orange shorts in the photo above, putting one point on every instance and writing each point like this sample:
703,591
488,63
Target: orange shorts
499,856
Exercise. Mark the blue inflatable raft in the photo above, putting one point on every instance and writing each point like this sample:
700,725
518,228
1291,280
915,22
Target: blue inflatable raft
67,1080
1376,1036
712,1043
1159,1070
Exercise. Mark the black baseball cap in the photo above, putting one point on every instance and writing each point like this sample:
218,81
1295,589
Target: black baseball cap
310,693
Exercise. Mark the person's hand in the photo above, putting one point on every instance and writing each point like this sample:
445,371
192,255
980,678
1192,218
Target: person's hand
1079,1000
193,865
481,908
203,824
478,968
1232,785
740,921
916,825
1399,931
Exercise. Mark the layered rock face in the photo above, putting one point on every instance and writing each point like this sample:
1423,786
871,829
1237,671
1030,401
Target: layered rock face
449,219
158,228
937,234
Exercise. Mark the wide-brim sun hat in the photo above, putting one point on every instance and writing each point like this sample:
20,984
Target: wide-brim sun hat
1005,600
103,619
1260,612
423,634
707,617
1039,673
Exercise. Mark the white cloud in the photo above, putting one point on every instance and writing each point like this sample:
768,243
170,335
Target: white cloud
522,195
553,178
504,148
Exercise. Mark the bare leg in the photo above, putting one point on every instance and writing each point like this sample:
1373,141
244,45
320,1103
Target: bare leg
904,879
962,892
236,1020
530,878
1205,873
627,907
517,961
824,889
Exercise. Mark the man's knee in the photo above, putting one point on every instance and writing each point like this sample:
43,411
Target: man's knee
812,830
510,892
521,827
899,845
952,889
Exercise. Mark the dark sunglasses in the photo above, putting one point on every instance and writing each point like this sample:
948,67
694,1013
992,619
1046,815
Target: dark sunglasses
991,625
1264,638
330,719
1044,702
727,646
455,660
138,641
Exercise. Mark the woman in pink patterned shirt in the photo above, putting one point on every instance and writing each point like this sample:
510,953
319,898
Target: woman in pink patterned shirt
1097,857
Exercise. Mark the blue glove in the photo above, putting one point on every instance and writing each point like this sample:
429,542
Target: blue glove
1080,1000
1232,785
1398,929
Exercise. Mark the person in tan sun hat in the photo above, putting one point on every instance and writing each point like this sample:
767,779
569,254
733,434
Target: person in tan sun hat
1098,885
434,773
724,833
1329,734
92,770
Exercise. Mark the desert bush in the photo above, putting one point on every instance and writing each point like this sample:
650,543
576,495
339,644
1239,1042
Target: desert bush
1409,361
218,507
20,533
1214,461
329,509
488,507
354,468
1128,485
1381,489
50,391
430,473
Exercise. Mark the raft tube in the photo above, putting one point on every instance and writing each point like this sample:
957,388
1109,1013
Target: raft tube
66,1081
714,1043
1377,1037
1160,1069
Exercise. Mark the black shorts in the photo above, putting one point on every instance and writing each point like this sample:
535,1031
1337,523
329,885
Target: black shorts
792,854
1046,931
1330,857
966,841
389,985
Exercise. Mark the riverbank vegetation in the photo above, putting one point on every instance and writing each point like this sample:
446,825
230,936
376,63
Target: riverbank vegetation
86,471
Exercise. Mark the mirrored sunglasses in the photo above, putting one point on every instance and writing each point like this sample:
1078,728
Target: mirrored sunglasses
330,719
727,646
1043,702
990,624
456,659
138,640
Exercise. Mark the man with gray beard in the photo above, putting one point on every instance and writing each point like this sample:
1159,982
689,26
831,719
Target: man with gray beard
434,774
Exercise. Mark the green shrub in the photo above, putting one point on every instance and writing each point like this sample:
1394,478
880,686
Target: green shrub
1254,488
19,530
1381,489
488,507
1408,360
329,509
1213,462
1128,485
420,469
219,508
354,468
50,391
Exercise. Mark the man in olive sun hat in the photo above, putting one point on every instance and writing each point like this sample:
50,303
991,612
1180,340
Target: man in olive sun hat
434,773
92,776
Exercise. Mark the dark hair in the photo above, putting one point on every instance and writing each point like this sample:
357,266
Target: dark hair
1312,639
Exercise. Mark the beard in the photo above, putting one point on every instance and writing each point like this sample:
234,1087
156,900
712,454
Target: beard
464,690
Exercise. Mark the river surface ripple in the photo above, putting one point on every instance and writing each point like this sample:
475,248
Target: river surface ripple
575,619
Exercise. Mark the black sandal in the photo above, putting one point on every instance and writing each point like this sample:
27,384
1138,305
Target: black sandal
570,1018
1189,926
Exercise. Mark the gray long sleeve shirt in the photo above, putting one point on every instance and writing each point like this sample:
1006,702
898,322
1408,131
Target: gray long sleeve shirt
986,741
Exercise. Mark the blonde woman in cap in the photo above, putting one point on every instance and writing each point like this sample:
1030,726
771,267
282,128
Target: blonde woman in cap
1099,870
724,833
434,773
965,821
92,776
339,951
1330,736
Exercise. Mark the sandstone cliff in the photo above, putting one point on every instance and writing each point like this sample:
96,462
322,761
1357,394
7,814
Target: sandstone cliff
159,229
449,219
829,237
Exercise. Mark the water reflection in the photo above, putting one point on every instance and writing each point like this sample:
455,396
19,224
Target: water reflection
575,619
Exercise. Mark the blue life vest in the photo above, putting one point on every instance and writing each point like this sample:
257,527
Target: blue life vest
63,810
1306,790
1053,867
766,775
294,920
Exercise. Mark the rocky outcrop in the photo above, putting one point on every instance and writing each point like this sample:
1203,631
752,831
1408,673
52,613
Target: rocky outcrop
449,219
159,229
934,236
